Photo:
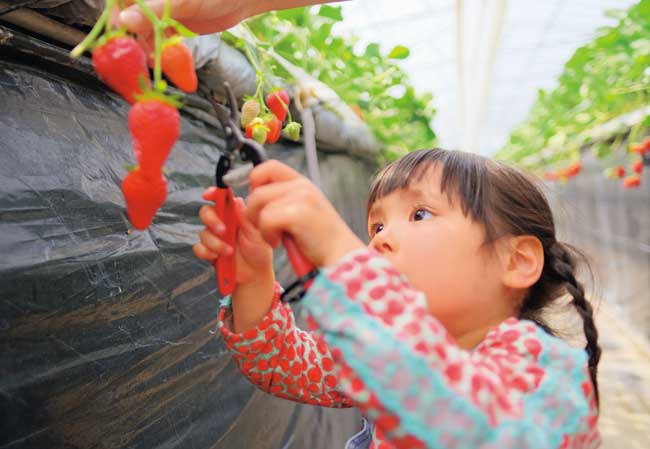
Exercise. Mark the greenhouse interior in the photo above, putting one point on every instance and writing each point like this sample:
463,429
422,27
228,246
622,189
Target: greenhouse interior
466,263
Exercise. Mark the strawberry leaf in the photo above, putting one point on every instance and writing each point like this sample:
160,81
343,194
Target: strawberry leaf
399,52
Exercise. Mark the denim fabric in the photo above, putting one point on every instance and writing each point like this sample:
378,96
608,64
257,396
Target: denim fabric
362,439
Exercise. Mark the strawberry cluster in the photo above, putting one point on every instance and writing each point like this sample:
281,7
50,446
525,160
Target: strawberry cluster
263,122
641,152
641,158
154,121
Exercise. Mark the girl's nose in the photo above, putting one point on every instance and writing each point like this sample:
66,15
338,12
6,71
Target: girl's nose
384,242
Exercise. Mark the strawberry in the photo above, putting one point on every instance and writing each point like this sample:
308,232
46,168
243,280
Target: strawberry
632,181
249,110
572,170
178,65
257,130
275,128
278,103
620,171
637,166
260,133
641,147
121,63
293,130
143,196
155,127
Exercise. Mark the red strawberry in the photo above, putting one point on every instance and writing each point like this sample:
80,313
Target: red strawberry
641,147
178,66
620,171
121,63
646,144
573,169
637,166
632,181
143,197
155,127
275,128
278,103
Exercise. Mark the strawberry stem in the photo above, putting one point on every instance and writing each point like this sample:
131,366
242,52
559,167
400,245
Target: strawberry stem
158,27
95,32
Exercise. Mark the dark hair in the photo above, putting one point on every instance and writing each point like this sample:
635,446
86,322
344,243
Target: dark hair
505,201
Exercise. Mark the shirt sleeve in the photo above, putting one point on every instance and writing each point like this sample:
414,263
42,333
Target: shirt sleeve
520,388
282,359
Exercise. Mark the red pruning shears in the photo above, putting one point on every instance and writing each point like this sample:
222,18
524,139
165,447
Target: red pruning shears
222,196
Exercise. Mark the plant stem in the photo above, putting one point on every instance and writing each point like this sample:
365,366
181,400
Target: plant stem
157,29
95,32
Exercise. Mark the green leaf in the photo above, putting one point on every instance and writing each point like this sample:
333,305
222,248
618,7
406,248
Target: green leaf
331,12
372,50
399,52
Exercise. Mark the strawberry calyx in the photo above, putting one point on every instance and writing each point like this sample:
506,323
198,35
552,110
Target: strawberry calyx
173,40
106,37
151,94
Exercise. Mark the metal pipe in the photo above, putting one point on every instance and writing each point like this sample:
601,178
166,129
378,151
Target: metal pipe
38,23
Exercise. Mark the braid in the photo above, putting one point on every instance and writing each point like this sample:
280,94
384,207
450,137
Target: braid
564,265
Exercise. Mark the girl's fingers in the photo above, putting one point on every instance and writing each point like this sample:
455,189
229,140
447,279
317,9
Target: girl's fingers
204,253
212,243
211,220
271,171
269,193
277,218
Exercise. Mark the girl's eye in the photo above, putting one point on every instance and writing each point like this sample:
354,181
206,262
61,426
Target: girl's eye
421,214
377,228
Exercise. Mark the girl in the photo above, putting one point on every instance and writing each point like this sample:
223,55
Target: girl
435,330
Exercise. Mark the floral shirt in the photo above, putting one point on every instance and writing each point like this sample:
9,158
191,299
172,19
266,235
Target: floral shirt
374,345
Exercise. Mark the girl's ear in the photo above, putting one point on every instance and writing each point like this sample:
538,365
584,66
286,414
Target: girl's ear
523,261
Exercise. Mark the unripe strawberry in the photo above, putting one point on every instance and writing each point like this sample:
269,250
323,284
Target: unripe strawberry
293,130
249,110
259,133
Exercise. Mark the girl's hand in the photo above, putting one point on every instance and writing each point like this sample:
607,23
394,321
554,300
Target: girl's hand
254,257
282,200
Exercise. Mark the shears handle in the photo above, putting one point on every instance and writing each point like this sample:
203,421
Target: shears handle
225,266
301,266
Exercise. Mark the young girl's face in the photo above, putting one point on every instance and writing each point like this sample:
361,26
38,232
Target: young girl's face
442,253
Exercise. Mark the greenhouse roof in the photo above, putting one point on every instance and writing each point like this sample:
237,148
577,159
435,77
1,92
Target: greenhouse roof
509,51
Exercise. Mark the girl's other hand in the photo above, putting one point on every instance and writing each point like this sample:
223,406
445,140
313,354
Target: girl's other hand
254,257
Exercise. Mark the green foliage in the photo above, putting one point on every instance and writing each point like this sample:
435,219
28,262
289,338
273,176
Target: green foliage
604,79
369,78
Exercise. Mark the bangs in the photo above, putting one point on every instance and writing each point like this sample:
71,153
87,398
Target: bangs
462,178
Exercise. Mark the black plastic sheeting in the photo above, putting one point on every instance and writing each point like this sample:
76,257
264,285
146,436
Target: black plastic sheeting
106,335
